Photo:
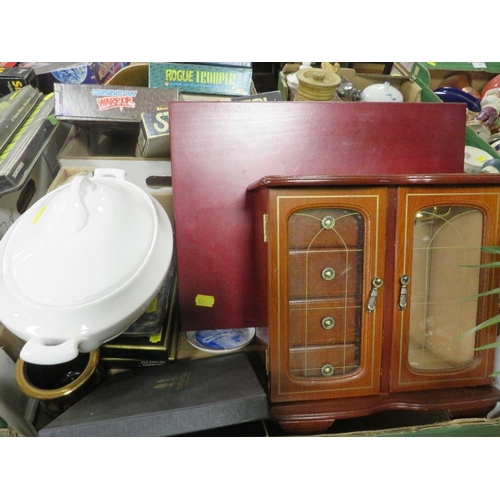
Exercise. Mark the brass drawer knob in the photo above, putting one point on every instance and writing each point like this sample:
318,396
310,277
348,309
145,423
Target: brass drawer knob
328,222
328,323
327,370
328,273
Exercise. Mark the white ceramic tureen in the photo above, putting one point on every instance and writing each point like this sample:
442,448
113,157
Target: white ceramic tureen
81,265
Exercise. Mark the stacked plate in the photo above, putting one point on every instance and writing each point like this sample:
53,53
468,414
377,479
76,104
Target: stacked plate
222,341
452,94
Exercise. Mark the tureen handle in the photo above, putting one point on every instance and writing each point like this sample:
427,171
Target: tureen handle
115,173
36,352
77,214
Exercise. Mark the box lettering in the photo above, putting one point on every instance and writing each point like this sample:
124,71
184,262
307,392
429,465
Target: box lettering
179,75
161,124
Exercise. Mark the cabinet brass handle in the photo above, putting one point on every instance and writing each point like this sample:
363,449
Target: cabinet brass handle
403,294
376,284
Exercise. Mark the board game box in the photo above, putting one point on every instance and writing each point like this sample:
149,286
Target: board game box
109,106
201,78
48,73
18,158
14,110
13,78
154,135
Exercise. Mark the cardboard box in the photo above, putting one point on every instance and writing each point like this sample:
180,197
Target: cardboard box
87,149
90,144
133,75
138,172
274,95
201,78
12,79
433,74
404,423
429,77
10,343
467,427
37,183
410,90
48,73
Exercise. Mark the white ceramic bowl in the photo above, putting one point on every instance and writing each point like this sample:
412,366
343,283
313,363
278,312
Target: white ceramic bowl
474,158
381,92
81,265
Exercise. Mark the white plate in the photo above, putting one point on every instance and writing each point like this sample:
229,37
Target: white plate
223,340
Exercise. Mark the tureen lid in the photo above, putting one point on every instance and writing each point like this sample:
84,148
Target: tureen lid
106,229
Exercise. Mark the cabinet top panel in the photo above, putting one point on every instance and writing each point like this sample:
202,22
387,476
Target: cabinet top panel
462,179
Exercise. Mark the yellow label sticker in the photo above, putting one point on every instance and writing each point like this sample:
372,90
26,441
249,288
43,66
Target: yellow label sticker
204,300
39,214
154,339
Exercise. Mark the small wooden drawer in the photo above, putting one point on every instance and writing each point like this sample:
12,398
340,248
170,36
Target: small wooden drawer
324,322
324,273
324,361
325,228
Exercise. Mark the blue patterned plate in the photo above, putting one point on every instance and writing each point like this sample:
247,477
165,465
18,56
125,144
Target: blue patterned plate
224,340
451,94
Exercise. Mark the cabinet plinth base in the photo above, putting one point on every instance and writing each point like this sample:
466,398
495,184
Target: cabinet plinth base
304,426
316,416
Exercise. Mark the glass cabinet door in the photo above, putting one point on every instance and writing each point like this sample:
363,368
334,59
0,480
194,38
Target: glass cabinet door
329,259
447,239
325,285
440,250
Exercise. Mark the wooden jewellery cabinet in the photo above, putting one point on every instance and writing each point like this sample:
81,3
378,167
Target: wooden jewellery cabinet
364,286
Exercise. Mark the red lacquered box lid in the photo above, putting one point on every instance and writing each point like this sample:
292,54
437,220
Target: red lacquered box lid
219,148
